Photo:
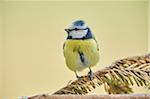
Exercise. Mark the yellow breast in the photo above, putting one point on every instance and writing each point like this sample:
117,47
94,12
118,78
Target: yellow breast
89,49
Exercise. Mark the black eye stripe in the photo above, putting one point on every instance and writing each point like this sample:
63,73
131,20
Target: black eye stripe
76,29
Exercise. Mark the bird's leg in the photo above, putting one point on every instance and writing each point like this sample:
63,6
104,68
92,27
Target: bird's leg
90,74
78,77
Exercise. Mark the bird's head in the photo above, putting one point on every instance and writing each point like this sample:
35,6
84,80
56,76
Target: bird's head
78,30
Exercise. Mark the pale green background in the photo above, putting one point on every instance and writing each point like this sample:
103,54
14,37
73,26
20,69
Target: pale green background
32,34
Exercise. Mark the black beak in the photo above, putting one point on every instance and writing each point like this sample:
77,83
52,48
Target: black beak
67,30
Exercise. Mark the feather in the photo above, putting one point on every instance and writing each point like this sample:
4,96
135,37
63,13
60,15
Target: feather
81,54
82,57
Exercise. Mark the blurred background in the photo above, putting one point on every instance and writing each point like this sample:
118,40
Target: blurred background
32,34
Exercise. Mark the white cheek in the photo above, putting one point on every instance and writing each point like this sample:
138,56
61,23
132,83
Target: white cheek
78,34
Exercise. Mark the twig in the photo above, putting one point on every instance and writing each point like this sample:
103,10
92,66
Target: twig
120,96
119,74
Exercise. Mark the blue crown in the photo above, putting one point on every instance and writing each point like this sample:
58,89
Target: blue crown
79,23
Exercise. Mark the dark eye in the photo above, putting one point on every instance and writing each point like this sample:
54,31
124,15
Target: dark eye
76,29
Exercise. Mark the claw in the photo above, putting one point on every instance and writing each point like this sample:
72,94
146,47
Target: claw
90,74
78,77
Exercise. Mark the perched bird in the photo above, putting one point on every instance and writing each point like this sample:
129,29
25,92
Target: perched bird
80,48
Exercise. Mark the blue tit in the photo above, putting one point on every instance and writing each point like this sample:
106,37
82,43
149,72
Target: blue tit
80,49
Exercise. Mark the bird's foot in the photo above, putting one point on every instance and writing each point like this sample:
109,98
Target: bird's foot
90,75
79,77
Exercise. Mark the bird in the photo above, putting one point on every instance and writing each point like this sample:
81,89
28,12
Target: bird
80,48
